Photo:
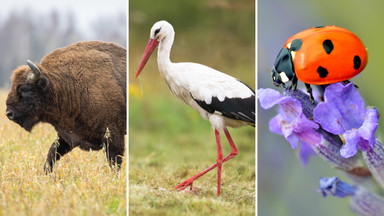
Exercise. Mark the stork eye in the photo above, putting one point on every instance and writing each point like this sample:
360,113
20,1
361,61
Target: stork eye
157,31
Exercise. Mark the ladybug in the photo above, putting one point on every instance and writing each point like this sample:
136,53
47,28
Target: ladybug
319,56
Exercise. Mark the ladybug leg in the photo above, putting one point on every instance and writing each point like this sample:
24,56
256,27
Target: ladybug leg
347,81
309,90
294,83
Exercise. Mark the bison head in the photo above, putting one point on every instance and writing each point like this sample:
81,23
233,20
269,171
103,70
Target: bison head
24,102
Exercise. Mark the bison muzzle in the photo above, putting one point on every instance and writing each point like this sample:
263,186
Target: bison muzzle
81,91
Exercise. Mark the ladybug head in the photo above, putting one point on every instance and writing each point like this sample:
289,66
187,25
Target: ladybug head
283,71
276,77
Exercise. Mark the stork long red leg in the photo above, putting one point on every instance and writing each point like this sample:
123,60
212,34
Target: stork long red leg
234,150
219,161
233,153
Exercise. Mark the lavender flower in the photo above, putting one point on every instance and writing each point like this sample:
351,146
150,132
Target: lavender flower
291,122
362,201
343,113
334,130
335,187
305,153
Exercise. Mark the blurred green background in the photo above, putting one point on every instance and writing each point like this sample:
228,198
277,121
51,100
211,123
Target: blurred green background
169,142
284,186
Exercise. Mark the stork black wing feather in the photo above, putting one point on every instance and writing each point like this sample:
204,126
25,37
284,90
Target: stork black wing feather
234,108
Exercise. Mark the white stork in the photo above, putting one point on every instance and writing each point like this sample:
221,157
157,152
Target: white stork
219,98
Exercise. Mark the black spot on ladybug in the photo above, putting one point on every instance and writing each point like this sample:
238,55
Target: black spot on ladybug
328,46
319,26
356,62
296,45
322,72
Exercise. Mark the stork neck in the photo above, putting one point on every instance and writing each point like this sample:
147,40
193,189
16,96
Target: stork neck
164,52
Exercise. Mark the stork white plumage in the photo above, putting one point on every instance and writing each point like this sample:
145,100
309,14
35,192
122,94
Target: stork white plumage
221,99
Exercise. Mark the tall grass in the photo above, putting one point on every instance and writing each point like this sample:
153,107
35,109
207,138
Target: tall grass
82,183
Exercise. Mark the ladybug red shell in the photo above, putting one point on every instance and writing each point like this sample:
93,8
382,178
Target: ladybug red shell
320,56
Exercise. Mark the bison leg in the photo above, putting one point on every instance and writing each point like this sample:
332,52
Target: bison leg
115,153
57,150
115,158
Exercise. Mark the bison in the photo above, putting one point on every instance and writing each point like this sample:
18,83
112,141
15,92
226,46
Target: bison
81,91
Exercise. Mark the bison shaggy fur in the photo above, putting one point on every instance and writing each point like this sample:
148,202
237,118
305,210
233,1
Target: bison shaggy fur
81,91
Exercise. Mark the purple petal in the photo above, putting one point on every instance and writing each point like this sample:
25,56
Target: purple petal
303,98
300,128
290,136
290,108
328,185
305,153
351,139
363,144
367,130
328,118
310,136
348,101
301,123
343,109
362,138
268,97
276,125
336,187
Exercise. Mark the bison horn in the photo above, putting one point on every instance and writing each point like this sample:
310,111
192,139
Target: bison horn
36,71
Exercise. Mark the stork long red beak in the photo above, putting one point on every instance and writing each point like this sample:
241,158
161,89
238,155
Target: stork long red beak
152,43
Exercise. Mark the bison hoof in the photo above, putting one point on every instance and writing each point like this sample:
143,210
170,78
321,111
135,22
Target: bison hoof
48,167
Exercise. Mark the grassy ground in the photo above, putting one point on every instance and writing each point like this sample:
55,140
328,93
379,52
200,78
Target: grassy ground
169,143
82,182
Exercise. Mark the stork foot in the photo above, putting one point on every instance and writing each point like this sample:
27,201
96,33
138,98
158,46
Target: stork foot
185,184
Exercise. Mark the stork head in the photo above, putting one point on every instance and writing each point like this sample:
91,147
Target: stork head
159,31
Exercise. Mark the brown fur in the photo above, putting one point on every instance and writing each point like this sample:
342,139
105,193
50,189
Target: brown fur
81,92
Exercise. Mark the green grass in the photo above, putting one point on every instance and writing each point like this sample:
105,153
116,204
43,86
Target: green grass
82,183
169,142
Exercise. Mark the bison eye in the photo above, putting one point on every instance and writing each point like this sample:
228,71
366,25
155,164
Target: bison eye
23,88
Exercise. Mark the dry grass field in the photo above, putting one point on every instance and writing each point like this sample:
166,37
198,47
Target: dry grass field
82,183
